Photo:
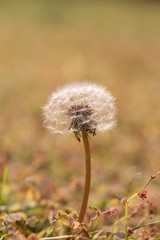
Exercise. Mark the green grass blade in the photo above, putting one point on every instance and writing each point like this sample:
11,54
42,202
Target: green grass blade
143,225
96,226
3,184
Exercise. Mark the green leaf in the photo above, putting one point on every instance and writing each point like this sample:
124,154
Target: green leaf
60,214
58,224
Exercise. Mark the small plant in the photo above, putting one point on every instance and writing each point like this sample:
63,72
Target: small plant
143,195
125,201
82,109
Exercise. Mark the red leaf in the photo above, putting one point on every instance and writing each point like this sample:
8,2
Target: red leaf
110,212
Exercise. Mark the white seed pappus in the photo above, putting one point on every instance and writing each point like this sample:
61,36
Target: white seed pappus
96,97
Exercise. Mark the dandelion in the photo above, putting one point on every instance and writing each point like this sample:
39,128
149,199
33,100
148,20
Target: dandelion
82,109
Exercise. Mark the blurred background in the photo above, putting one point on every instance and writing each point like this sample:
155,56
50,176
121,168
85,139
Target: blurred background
46,44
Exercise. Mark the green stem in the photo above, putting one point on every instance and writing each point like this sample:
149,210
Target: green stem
87,177
3,184
133,196
126,219
126,214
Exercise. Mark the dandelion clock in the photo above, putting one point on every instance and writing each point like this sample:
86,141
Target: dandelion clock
82,109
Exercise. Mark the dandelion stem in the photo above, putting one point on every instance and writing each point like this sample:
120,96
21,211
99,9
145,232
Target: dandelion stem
87,177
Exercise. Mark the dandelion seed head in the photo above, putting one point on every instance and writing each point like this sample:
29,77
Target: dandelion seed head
80,106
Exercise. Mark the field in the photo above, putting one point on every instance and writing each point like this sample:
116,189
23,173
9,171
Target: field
44,45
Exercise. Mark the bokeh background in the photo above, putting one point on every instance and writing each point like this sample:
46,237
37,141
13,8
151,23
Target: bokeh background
46,44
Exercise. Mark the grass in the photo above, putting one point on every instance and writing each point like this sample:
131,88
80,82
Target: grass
3,185
45,44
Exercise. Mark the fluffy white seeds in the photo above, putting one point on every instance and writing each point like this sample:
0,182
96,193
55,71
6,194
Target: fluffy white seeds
80,105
